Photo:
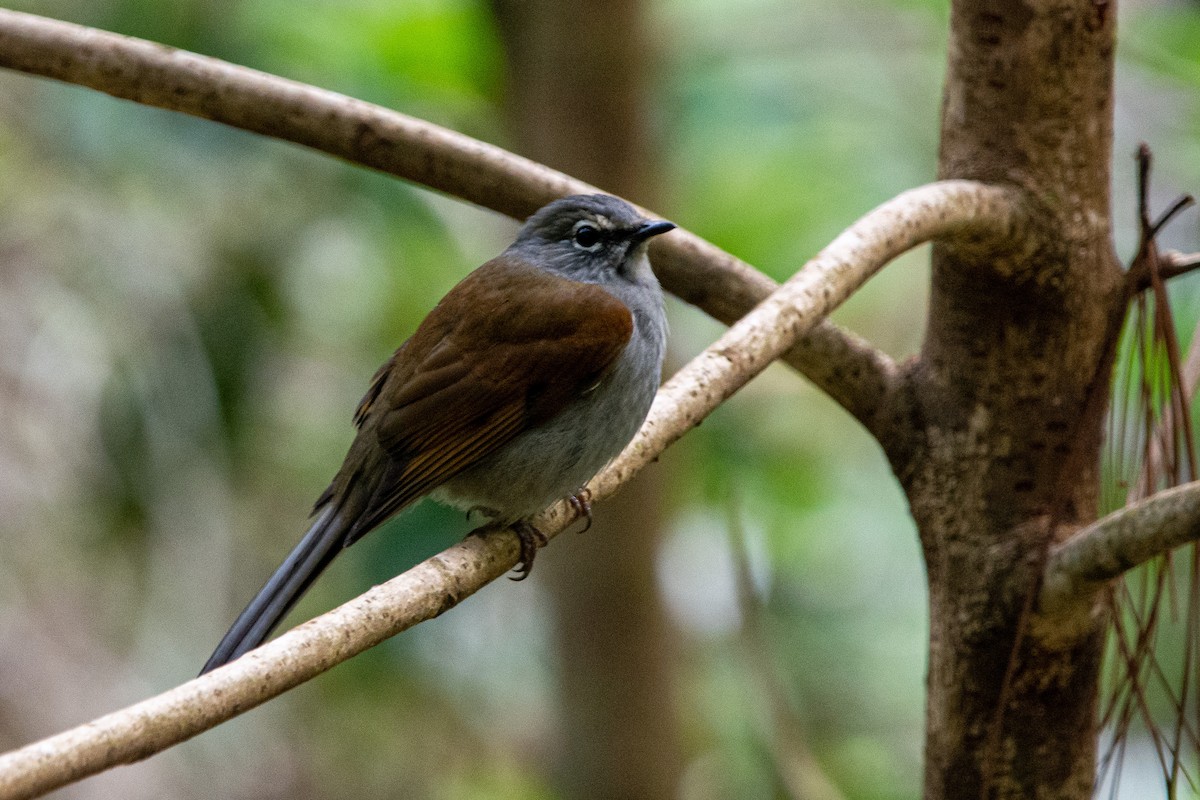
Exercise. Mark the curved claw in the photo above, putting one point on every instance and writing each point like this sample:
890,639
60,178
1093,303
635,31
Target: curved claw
531,539
581,501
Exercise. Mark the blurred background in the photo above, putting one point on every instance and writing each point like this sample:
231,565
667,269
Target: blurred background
189,314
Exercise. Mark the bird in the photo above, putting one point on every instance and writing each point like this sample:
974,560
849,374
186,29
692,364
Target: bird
521,384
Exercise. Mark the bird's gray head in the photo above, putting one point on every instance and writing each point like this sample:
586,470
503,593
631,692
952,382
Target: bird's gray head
595,238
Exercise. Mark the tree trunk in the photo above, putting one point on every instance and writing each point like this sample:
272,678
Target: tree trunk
998,422
577,97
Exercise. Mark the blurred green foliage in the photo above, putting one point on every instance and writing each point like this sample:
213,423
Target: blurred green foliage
189,314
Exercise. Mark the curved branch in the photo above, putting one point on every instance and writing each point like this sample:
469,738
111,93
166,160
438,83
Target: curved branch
440,583
1127,538
844,366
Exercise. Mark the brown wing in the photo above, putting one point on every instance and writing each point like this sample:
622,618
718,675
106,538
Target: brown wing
506,350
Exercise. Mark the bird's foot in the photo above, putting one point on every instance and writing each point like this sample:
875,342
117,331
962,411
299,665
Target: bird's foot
531,539
581,501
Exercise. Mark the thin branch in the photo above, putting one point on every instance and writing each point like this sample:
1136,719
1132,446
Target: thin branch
841,364
1180,203
438,584
1173,263
1127,538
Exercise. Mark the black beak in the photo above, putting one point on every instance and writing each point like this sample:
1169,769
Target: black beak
652,228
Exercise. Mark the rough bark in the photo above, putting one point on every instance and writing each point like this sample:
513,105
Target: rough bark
577,98
998,423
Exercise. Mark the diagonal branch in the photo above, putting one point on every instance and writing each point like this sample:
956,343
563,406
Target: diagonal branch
946,209
1126,538
841,364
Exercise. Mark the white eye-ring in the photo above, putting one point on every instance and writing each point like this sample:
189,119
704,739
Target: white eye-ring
586,236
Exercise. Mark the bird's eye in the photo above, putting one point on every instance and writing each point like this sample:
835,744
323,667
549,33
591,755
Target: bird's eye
586,236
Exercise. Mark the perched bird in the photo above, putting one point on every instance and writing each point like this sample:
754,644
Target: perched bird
522,383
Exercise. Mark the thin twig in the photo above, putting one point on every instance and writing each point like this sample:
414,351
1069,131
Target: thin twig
1173,263
1168,455
938,210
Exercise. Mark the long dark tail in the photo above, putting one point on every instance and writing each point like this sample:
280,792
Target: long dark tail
324,540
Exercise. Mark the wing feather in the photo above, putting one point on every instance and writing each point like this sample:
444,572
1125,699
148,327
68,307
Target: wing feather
506,350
